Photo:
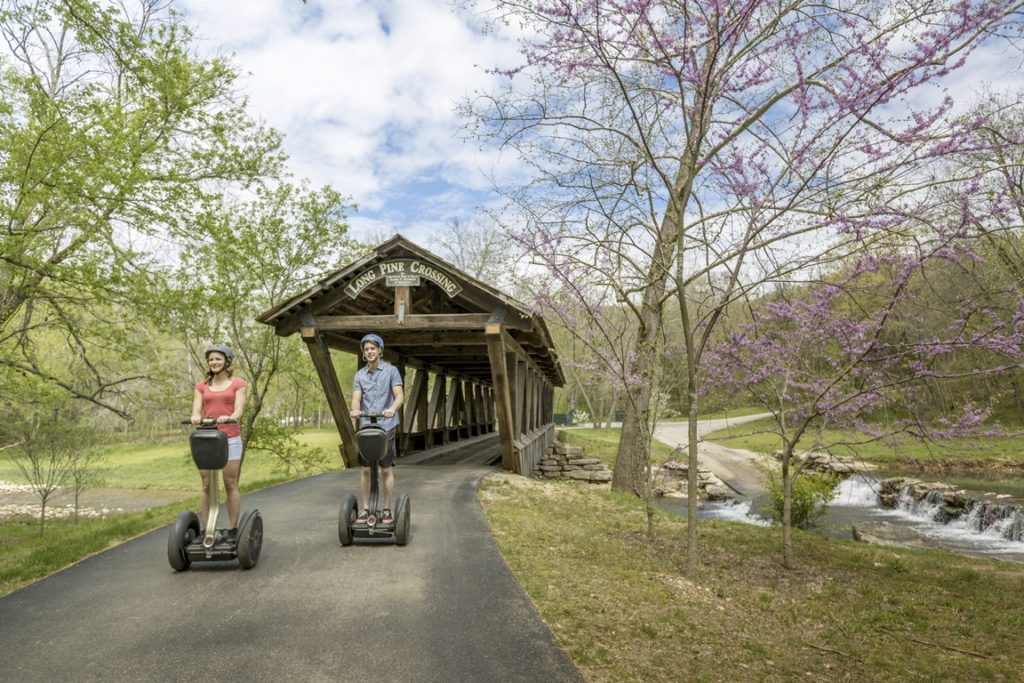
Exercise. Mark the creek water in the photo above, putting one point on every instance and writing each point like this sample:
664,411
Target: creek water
993,528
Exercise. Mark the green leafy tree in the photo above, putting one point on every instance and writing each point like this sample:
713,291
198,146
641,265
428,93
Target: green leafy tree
113,130
244,258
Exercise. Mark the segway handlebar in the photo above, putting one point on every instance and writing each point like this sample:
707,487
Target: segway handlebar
209,421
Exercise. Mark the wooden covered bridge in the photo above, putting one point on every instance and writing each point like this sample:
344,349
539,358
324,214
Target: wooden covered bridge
474,362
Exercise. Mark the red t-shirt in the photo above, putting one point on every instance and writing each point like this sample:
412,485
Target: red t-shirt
218,403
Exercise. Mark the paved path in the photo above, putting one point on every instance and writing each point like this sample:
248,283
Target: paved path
443,608
732,465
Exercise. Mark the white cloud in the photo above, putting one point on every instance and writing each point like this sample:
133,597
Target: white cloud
365,93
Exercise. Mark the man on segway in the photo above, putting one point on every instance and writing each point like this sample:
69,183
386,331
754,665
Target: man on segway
377,388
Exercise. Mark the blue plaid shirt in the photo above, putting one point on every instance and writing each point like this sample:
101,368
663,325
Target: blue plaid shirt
377,392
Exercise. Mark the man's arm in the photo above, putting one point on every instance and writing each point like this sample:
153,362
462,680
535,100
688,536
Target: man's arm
398,395
357,401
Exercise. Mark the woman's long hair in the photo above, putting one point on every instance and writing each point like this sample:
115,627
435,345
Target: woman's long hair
210,375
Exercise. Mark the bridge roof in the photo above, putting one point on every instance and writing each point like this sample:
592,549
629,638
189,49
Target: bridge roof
443,328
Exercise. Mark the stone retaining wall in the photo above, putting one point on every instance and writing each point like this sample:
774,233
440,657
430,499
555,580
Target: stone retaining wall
568,461
670,479
819,461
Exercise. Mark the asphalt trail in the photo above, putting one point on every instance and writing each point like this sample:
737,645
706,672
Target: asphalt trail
443,608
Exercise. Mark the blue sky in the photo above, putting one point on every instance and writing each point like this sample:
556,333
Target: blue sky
365,93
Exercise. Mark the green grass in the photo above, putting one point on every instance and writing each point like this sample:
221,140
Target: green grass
604,443
755,436
26,557
621,607
168,465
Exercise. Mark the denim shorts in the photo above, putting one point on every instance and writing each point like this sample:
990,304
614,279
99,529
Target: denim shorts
234,448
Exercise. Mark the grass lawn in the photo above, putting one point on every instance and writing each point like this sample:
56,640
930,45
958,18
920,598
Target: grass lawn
169,465
604,443
621,607
25,557
755,436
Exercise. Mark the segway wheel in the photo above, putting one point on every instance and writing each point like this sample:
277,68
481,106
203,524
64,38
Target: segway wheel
184,529
346,518
403,523
250,540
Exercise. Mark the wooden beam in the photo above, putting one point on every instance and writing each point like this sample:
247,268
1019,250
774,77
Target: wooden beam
407,337
321,356
416,402
435,404
441,321
403,303
447,321
503,401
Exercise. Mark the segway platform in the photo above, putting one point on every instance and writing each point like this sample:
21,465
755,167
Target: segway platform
185,545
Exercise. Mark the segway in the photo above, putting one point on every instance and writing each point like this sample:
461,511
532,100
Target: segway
185,545
372,443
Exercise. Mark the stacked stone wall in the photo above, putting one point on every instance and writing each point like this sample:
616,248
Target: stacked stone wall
568,461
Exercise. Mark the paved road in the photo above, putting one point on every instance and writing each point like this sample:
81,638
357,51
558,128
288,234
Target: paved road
731,465
443,608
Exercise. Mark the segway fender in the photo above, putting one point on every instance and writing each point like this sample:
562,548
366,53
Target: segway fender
250,539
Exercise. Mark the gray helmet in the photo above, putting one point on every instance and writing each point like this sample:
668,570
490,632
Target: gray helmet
222,349
375,338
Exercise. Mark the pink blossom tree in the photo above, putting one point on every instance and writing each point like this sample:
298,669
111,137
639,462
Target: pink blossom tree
837,356
678,147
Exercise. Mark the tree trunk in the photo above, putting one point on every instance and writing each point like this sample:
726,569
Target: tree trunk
615,405
787,500
634,445
691,485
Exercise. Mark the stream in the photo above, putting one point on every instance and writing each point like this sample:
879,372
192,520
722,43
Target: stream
986,531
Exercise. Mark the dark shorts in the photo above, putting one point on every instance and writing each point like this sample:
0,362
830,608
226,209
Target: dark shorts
389,459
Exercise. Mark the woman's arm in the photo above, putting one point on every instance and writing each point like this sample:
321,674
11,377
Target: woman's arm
197,407
240,395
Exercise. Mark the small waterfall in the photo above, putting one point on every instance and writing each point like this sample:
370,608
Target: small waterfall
857,491
1006,521
956,512
735,511
931,506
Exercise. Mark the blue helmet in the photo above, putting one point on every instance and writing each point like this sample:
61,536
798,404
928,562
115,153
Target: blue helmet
222,349
375,338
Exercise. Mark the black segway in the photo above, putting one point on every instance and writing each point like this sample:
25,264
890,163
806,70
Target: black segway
372,443
184,546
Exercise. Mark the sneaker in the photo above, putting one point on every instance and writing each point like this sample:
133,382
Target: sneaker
386,517
363,516
232,535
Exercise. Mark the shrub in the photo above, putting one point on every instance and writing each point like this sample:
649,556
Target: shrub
811,494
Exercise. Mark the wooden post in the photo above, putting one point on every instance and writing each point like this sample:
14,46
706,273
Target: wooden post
321,356
440,420
503,400
403,303
436,400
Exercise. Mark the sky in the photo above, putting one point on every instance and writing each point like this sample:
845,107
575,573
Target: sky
365,93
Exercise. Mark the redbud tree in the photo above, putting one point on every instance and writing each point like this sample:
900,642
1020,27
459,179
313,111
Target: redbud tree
690,152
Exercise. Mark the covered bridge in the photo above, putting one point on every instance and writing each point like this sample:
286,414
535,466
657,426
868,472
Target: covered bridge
474,362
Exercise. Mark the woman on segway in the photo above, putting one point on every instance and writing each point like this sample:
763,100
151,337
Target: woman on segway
221,397
377,388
